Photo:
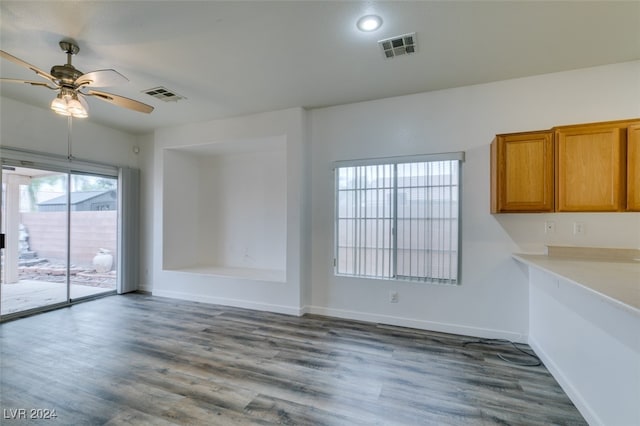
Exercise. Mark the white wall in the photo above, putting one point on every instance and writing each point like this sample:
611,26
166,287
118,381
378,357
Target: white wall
246,210
238,291
492,299
180,212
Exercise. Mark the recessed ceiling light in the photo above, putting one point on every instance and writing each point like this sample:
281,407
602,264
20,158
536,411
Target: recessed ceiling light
369,23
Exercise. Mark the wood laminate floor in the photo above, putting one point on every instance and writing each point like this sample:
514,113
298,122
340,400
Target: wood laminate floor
139,359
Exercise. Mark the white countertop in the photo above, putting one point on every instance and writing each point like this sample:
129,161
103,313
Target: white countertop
616,281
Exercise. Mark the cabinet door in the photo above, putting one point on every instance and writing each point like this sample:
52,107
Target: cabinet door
633,168
522,172
590,168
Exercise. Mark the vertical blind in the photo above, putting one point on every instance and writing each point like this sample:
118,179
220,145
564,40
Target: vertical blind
399,218
128,230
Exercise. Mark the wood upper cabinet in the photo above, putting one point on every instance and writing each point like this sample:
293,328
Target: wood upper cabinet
522,172
590,164
633,168
579,168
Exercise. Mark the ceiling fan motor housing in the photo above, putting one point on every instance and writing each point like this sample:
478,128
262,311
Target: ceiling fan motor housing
67,74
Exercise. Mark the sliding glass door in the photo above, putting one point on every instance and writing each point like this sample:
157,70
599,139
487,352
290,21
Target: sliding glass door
61,238
34,272
94,234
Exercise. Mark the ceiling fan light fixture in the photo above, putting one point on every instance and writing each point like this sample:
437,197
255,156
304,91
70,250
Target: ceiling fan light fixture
59,106
76,109
67,104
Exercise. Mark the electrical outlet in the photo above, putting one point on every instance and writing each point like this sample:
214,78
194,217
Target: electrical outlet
393,297
579,228
549,227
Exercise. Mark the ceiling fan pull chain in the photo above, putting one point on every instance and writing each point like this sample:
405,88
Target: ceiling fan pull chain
69,127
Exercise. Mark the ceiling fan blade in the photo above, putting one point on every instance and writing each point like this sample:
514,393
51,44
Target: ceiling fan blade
31,82
121,101
101,78
20,62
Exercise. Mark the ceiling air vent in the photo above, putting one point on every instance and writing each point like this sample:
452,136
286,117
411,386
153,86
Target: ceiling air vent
399,45
164,94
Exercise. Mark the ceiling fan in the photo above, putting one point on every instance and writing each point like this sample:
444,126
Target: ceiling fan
73,85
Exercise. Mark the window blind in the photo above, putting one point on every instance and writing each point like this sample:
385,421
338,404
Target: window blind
399,219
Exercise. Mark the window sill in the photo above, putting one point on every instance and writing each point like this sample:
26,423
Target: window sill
401,279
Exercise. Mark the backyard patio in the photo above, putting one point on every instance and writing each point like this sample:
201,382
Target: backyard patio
44,284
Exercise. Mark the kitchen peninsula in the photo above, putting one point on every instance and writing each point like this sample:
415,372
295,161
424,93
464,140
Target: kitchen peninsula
584,317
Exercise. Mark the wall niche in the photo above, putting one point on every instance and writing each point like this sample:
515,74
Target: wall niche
225,208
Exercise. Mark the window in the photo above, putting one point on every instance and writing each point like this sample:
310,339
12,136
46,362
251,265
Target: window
398,218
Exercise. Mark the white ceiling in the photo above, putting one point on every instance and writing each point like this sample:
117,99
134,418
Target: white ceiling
239,57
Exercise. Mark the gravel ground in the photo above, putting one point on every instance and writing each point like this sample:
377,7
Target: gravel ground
52,272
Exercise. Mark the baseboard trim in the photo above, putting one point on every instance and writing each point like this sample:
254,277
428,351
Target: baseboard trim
237,303
463,330
574,395
145,288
